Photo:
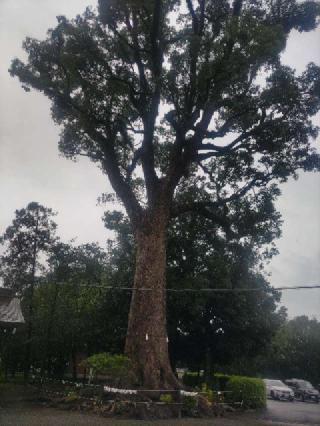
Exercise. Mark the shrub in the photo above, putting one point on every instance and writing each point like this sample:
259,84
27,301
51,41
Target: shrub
192,379
190,404
207,393
114,366
166,397
72,397
250,391
218,381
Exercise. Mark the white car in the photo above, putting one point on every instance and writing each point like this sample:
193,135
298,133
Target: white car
276,389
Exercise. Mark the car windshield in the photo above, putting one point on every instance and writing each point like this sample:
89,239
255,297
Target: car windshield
305,385
275,383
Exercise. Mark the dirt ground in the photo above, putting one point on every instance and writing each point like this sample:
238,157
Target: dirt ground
51,417
18,408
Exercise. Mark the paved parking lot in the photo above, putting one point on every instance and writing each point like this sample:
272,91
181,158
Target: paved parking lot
307,413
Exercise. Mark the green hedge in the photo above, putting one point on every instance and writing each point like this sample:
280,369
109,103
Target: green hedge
116,367
250,391
218,381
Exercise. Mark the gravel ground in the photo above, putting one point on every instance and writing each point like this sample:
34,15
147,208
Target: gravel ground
17,408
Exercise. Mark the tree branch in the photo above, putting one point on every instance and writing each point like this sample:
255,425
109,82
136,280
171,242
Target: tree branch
197,26
120,186
257,181
136,157
237,7
225,128
150,116
227,148
204,209
137,56
195,22
109,160
156,38
209,208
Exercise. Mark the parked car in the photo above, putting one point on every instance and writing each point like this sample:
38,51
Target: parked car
303,390
276,389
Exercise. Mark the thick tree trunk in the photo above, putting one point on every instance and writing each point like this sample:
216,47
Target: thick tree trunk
147,342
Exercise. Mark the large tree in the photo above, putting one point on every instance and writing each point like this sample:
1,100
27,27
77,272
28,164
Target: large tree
158,91
209,329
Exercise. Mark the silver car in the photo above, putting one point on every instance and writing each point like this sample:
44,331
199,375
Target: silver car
276,389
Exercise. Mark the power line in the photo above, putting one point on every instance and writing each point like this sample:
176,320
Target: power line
204,290
300,287
239,290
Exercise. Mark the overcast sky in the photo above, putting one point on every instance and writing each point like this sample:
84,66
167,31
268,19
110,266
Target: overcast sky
32,170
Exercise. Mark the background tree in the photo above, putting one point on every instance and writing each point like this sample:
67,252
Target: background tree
31,235
159,91
210,329
26,241
66,302
76,312
294,352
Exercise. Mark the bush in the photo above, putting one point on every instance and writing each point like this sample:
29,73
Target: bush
250,391
190,404
72,397
218,381
117,367
166,397
207,393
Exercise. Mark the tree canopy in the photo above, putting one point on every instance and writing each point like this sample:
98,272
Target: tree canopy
31,234
156,91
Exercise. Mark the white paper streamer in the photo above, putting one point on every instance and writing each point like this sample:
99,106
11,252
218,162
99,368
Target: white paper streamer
123,391
134,391
185,393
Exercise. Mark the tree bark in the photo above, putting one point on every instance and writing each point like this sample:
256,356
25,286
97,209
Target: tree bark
147,341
